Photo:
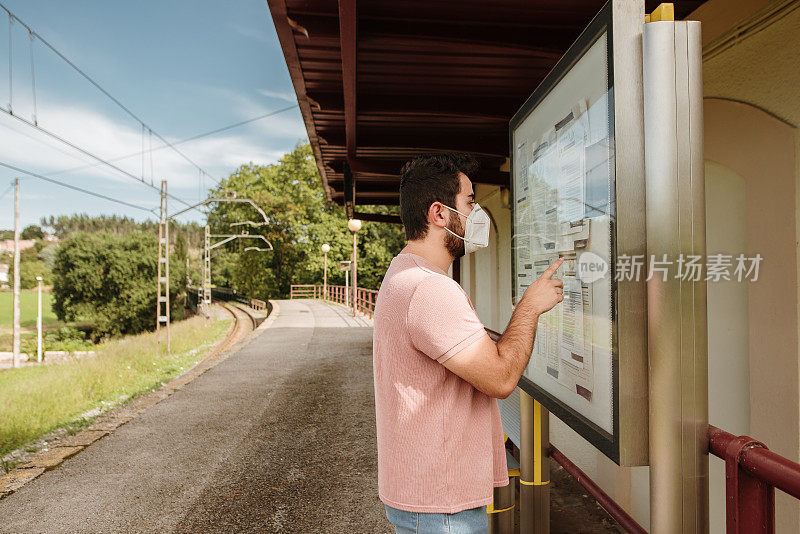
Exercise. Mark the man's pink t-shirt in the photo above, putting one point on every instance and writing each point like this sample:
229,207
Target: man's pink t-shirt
440,440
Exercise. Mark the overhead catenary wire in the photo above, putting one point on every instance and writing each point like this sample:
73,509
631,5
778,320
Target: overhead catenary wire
86,152
100,88
8,189
73,187
145,151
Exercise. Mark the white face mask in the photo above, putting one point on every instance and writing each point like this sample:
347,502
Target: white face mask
476,229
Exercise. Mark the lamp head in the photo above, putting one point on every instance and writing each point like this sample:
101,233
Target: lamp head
354,225
326,248
39,278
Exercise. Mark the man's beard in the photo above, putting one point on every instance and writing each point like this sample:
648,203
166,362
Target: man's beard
453,244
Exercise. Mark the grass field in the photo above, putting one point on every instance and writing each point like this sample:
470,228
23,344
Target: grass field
38,400
27,308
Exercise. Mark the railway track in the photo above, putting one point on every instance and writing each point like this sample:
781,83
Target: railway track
244,324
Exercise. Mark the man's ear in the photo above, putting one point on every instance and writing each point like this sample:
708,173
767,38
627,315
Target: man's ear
437,215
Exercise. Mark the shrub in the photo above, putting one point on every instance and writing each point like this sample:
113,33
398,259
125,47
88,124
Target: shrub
108,280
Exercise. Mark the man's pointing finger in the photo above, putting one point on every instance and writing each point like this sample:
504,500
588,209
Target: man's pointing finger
553,268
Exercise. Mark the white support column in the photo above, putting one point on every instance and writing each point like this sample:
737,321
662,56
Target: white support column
16,334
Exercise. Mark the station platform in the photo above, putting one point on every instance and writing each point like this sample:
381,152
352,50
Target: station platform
279,437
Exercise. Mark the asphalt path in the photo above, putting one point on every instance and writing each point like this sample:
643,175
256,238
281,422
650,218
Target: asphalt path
279,437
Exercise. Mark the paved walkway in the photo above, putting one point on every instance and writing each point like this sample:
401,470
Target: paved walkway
279,437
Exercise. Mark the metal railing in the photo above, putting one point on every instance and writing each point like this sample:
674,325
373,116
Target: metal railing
303,291
225,294
752,472
365,298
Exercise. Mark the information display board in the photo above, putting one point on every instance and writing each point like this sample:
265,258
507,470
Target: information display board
564,187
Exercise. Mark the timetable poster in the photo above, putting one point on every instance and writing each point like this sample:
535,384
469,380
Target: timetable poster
564,207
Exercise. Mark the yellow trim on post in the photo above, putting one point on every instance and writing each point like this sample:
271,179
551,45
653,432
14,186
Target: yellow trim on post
513,472
490,509
527,483
537,437
664,12
646,20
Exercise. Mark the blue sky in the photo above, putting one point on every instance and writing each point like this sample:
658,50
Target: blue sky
184,67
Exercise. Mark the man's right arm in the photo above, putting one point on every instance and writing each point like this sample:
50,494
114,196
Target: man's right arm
495,369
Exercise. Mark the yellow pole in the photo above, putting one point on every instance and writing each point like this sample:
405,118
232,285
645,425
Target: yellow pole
534,466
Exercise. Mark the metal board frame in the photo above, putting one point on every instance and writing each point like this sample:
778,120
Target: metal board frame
623,21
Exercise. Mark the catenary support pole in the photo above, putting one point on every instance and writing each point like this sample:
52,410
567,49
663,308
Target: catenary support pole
162,269
207,272
16,327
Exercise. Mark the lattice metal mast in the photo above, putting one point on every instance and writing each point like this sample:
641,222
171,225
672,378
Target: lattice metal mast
207,270
162,314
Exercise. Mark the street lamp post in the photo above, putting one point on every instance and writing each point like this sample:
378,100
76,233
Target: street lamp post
39,324
325,249
355,225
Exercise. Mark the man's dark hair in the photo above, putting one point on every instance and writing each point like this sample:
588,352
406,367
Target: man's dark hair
428,179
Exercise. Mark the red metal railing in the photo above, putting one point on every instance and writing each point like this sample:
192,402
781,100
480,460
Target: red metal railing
752,472
303,291
365,298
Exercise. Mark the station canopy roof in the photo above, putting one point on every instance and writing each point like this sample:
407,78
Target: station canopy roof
379,81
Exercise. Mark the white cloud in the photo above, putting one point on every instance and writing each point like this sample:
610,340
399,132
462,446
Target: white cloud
262,142
287,96
253,33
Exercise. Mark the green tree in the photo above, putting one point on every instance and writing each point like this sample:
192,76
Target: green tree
108,280
300,220
29,269
32,232
48,256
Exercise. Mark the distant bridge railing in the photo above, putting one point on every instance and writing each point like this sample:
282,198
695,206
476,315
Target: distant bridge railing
226,294
365,298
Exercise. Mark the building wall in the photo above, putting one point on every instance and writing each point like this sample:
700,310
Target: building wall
752,110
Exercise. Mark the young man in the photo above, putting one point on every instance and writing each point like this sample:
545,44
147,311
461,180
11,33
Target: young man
437,374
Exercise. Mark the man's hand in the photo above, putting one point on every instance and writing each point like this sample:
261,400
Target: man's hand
545,293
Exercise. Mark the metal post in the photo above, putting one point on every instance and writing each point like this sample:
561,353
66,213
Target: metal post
39,323
325,278
676,307
347,288
355,273
207,272
750,501
502,510
166,262
534,466
162,275
16,333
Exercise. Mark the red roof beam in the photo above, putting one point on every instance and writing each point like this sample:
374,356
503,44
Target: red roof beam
347,39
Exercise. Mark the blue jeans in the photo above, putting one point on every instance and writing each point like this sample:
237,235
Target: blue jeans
472,521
